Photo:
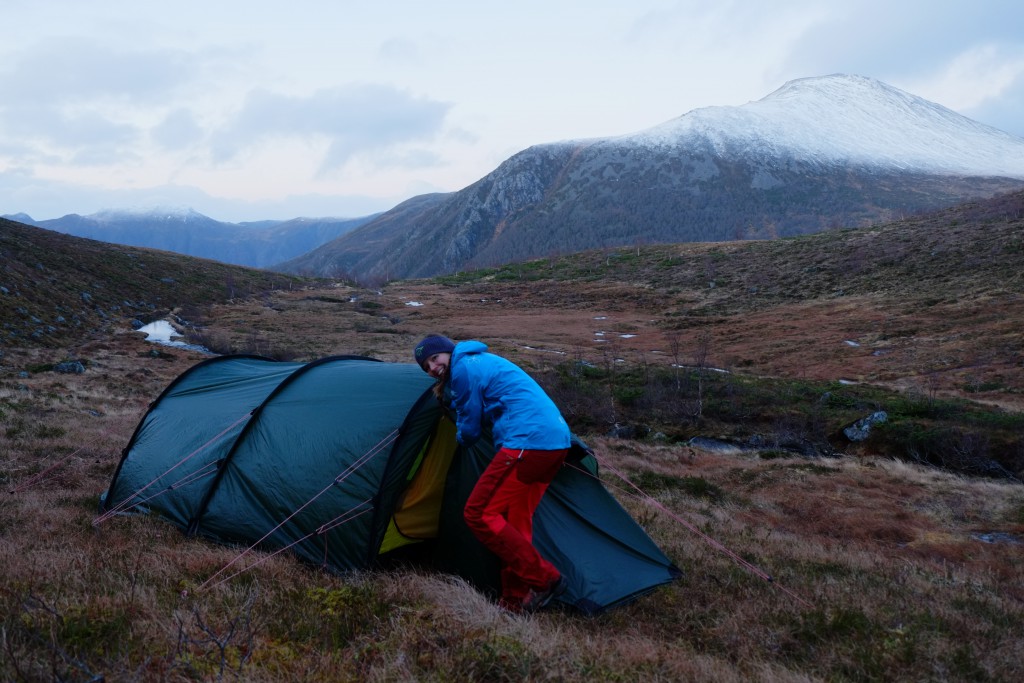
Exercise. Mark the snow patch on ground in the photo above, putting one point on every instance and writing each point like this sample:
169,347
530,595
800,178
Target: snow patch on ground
163,333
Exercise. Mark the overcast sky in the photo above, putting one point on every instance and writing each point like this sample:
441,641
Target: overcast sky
254,109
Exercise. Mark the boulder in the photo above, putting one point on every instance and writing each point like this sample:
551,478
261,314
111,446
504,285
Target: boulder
861,429
70,367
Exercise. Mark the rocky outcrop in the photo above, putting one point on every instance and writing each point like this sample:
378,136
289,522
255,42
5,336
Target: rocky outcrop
861,429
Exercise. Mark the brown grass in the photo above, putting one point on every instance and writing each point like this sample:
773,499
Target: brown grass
886,556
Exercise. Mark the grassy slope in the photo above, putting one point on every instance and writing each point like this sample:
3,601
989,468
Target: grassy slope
62,288
884,571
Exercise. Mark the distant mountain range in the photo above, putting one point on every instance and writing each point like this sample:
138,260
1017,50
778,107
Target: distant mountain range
258,244
818,153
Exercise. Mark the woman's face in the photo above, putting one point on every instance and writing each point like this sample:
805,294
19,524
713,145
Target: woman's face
437,365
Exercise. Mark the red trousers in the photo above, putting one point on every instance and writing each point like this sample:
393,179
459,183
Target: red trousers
500,510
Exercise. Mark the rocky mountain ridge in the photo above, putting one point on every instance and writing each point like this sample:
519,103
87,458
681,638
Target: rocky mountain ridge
837,151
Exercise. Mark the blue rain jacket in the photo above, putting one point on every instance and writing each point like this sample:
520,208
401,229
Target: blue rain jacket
486,389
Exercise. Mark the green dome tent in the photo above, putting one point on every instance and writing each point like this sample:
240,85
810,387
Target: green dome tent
348,461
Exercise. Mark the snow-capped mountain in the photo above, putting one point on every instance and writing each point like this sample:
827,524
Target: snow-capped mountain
817,153
848,120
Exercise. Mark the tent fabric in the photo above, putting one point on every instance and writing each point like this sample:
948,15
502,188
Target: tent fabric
345,458
417,515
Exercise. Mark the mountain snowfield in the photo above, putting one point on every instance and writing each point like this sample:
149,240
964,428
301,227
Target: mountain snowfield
843,119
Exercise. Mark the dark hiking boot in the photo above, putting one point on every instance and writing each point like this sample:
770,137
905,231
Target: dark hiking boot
537,600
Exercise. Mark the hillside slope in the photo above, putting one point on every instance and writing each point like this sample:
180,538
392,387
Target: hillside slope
55,288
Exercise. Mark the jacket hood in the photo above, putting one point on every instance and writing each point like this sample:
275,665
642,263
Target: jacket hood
468,347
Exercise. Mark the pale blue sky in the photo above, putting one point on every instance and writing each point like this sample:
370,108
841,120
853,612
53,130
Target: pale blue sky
251,109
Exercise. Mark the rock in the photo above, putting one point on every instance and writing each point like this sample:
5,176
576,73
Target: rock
628,431
998,537
70,367
713,445
861,429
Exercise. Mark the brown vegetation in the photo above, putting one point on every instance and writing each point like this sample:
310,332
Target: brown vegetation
884,569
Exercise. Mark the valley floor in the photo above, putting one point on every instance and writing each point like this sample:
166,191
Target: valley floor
882,570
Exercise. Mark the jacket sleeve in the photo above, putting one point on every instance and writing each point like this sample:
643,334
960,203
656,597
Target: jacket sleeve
467,398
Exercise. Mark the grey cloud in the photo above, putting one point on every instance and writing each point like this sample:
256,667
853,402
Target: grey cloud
1004,113
890,40
400,50
177,131
355,118
92,130
77,131
103,155
54,94
75,70
389,158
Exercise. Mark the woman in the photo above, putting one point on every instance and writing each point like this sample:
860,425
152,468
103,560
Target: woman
532,440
